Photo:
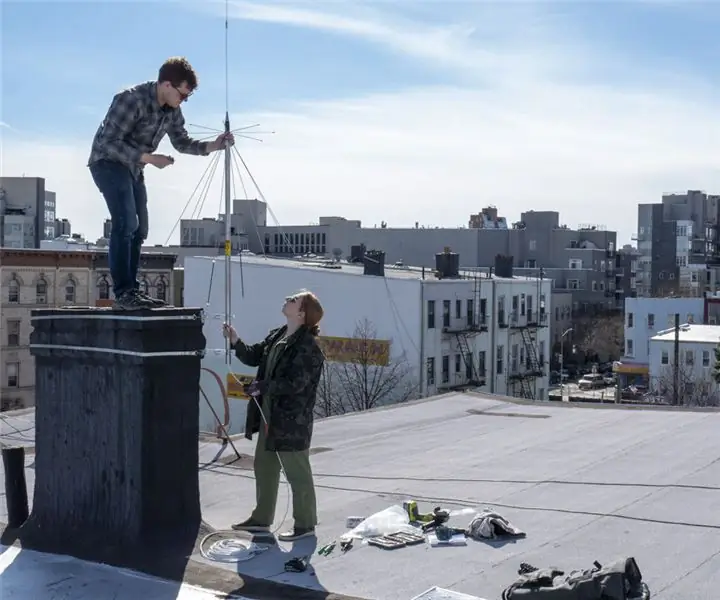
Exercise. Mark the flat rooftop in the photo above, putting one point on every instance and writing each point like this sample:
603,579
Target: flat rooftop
585,483
391,271
708,334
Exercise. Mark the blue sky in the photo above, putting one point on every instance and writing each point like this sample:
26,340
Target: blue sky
345,69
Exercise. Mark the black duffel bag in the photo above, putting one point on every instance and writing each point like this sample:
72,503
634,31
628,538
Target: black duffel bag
620,580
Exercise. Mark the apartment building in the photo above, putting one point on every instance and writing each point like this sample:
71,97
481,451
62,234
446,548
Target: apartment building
27,212
584,261
34,279
679,246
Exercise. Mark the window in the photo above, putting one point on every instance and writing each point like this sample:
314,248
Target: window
458,363
573,284
458,309
161,289
629,348
431,314
576,263
706,358
144,286
630,319
13,332
532,245
501,310
14,290
483,310
70,291
689,357
665,357
12,374
530,308
445,368
499,360
431,370
481,363
41,291
471,311
446,313
103,288
594,286
541,353
651,321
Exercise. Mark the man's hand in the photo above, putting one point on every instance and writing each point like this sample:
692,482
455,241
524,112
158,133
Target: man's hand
158,160
219,143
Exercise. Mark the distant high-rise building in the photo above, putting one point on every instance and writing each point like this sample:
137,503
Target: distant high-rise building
27,212
678,245
62,227
107,228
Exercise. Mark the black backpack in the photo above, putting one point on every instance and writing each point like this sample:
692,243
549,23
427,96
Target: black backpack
620,580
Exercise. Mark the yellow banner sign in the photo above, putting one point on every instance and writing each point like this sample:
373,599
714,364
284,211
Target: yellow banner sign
235,383
356,350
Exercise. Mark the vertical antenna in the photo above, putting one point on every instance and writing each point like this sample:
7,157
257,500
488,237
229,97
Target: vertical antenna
228,242
228,200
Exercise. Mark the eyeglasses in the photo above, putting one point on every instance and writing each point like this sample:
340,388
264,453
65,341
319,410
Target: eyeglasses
183,95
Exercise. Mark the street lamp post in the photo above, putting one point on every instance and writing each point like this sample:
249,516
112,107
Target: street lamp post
562,360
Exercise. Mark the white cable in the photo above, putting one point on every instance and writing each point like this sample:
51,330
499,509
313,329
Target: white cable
230,550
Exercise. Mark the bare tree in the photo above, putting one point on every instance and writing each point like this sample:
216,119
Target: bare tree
366,382
602,336
692,389
329,399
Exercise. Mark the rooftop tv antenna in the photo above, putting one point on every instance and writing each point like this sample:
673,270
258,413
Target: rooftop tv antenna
232,158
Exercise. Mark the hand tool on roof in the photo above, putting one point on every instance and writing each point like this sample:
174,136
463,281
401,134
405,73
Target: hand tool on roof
299,564
327,549
438,517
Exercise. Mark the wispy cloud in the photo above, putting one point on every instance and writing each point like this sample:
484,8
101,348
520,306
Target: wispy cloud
498,40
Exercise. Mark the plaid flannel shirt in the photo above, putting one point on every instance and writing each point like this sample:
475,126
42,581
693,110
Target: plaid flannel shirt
135,124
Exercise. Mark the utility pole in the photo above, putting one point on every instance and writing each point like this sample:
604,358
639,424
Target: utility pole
676,361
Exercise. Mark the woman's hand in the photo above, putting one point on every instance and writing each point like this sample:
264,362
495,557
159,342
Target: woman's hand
230,333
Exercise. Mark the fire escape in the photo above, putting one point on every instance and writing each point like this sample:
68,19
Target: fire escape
474,323
527,320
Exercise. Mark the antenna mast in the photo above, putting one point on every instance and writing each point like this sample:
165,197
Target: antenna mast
228,199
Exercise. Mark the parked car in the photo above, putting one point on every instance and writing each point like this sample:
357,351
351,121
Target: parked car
591,381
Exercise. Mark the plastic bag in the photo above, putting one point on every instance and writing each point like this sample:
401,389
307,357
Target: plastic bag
391,520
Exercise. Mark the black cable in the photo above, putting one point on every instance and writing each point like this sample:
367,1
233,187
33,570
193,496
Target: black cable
464,502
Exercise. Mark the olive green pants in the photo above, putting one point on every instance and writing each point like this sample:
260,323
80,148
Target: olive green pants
267,481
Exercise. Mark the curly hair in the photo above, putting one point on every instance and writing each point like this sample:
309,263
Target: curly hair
177,70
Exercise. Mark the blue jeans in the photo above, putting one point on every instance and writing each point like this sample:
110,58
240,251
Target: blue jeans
126,199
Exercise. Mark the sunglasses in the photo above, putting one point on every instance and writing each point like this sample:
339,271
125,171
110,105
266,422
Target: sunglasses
183,95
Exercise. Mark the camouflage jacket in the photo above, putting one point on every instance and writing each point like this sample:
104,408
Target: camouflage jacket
291,387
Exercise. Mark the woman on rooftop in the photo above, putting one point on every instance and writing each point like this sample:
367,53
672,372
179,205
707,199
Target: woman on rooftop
289,364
